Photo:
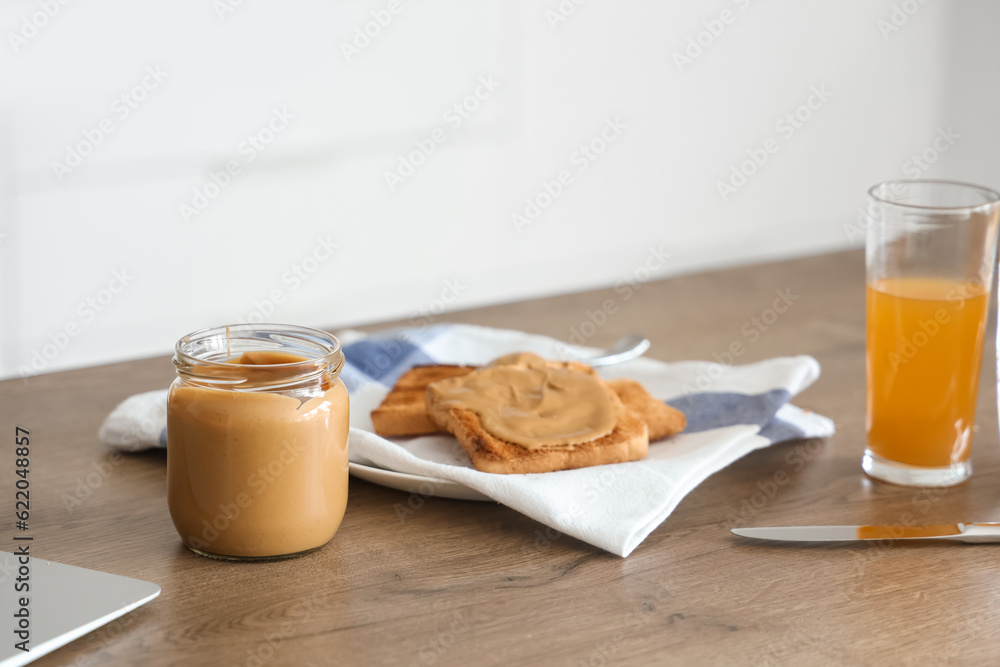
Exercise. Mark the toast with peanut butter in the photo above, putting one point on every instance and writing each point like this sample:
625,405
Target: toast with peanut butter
523,414
403,412
628,441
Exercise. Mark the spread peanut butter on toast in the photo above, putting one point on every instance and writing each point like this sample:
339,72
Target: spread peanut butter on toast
523,414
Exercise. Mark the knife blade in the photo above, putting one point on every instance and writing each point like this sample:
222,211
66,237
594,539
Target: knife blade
971,533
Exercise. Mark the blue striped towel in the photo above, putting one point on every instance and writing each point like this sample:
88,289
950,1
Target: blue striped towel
731,411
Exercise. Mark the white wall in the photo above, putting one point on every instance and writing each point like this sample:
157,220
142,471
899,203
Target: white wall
323,176
972,93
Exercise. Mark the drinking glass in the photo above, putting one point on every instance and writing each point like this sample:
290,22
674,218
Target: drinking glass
930,252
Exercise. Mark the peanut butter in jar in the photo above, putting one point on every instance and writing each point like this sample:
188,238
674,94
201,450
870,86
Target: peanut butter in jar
257,424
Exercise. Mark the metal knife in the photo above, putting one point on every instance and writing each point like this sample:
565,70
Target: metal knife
972,533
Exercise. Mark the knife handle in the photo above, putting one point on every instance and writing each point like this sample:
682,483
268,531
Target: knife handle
980,533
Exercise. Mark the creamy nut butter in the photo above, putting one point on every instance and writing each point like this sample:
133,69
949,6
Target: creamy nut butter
524,399
257,424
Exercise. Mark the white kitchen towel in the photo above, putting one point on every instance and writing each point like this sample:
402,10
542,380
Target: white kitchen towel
731,411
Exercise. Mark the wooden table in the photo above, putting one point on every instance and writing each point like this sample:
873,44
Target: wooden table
459,583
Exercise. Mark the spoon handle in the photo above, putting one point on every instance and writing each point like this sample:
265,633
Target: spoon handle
616,357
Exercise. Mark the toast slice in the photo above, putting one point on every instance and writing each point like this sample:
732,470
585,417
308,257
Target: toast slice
662,419
629,441
404,410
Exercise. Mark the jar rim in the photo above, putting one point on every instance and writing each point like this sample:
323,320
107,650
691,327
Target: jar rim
323,351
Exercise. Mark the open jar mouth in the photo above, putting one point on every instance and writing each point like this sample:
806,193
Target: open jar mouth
204,356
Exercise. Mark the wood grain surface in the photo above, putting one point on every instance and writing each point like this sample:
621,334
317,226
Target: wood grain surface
461,583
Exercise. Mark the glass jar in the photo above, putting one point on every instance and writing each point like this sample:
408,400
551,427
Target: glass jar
257,424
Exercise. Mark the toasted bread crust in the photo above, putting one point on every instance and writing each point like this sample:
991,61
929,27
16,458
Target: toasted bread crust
661,419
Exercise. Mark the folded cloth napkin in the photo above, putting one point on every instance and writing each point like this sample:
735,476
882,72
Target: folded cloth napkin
731,411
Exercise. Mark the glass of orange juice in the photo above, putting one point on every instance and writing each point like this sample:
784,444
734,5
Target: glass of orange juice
930,251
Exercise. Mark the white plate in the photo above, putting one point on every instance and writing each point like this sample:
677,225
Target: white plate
424,486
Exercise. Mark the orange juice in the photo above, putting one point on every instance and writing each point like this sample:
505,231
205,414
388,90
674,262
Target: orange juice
925,342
